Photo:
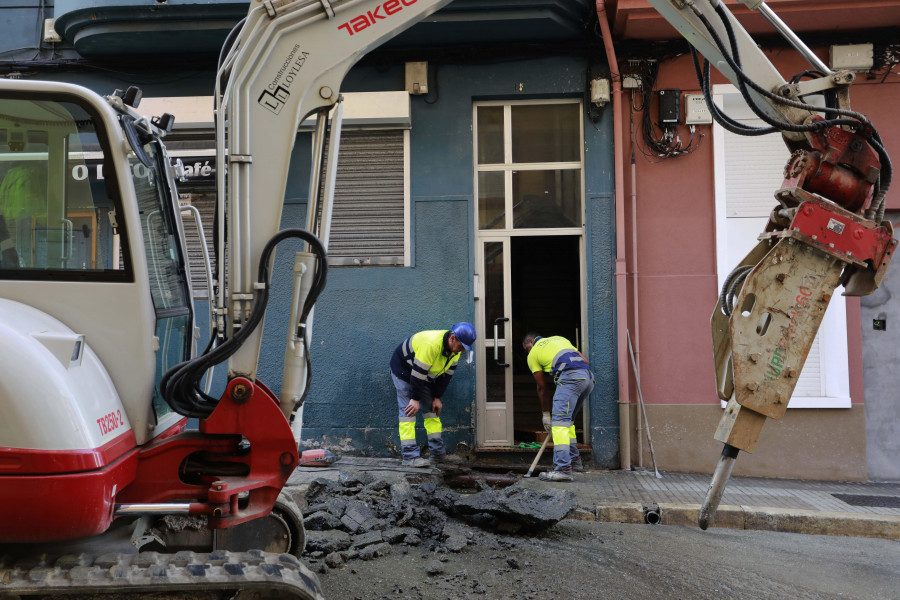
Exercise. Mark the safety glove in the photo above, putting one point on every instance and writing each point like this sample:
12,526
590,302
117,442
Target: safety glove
545,419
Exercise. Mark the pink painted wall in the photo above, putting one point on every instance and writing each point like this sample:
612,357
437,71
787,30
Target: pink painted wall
676,258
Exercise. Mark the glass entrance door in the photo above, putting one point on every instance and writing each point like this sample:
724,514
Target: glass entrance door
494,372
529,189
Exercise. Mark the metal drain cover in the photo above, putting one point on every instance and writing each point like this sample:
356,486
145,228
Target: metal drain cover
874,501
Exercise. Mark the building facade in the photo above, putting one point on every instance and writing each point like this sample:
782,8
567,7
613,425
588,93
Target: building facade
479,183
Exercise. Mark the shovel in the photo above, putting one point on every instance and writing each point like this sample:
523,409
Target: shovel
538,457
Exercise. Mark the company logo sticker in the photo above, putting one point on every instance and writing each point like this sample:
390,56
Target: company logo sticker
276,94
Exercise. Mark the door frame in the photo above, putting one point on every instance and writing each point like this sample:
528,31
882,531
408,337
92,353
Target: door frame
485,349
505,235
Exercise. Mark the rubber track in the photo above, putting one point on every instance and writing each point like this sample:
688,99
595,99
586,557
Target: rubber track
260,574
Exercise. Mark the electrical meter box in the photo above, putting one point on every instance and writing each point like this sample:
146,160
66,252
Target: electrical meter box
669,107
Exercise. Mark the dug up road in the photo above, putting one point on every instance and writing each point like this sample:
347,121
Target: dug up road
584,560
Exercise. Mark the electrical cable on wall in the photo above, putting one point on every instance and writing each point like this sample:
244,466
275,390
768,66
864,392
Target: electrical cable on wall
661,140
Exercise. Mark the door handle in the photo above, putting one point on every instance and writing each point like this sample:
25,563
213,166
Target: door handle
497,322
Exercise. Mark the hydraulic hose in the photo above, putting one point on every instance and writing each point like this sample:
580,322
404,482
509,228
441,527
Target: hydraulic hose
180,385
855,120
721,118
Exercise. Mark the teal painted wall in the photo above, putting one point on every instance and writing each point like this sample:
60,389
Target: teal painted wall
365,312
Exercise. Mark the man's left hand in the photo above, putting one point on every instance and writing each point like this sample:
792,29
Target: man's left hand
436,406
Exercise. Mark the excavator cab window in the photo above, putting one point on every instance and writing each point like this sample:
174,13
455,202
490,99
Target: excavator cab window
165,263
56,209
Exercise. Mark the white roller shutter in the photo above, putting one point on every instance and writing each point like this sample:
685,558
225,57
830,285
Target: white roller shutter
748,172
368,224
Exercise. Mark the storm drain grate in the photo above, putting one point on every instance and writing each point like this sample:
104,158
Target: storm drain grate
874,501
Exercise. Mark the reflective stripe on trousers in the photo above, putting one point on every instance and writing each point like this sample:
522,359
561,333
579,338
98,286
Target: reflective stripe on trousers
408,447
572,389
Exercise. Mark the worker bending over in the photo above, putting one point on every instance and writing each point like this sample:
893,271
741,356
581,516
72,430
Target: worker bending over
421,368
574,381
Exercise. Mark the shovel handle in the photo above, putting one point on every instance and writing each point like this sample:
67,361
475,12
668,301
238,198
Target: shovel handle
538,457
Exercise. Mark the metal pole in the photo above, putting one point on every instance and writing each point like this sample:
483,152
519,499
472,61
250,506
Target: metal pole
637,380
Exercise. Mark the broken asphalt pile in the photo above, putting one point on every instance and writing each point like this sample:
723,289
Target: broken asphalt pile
362,517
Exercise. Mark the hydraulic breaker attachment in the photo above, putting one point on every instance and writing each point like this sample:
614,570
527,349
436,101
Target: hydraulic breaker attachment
770,310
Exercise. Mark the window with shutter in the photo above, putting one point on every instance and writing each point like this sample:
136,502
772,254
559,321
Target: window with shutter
748,171
369,218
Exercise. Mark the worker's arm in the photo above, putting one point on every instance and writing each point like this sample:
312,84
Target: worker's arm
442,381
543,391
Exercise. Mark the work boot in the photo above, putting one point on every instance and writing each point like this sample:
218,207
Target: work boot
577,466
556,475
447,459
417,462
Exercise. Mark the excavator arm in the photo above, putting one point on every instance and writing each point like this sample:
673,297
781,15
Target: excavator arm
826,229
285,61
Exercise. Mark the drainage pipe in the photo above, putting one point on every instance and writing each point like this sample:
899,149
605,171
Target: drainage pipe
621,248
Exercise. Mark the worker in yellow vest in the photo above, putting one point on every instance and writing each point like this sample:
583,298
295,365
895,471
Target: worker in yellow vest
571,372
421,368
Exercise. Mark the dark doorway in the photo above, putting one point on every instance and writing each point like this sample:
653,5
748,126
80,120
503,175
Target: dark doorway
546,297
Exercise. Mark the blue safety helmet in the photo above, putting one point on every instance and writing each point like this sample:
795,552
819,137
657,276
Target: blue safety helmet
465,333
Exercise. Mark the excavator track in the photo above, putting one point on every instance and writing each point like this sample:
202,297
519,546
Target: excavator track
185,575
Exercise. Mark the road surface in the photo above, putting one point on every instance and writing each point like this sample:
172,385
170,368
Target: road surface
577,560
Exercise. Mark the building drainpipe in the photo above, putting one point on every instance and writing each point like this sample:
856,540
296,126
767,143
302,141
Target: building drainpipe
621,251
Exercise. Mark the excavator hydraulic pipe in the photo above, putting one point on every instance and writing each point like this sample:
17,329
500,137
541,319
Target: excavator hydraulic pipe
171,508
792,38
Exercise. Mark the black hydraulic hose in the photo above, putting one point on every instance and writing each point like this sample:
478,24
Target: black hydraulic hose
732,282
796,78
721,118
180,385
302,398
736,286
735,64
744,81
855,121
885,178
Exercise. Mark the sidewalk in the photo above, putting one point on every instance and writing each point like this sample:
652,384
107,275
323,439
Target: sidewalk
863,509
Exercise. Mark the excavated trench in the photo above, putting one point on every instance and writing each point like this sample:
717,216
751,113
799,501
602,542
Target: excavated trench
361,517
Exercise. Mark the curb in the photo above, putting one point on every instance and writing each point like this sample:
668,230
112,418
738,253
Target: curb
786,520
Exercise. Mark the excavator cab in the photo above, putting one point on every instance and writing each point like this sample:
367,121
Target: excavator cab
64,228
94,307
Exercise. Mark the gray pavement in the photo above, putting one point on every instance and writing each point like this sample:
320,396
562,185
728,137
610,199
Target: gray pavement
865,509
